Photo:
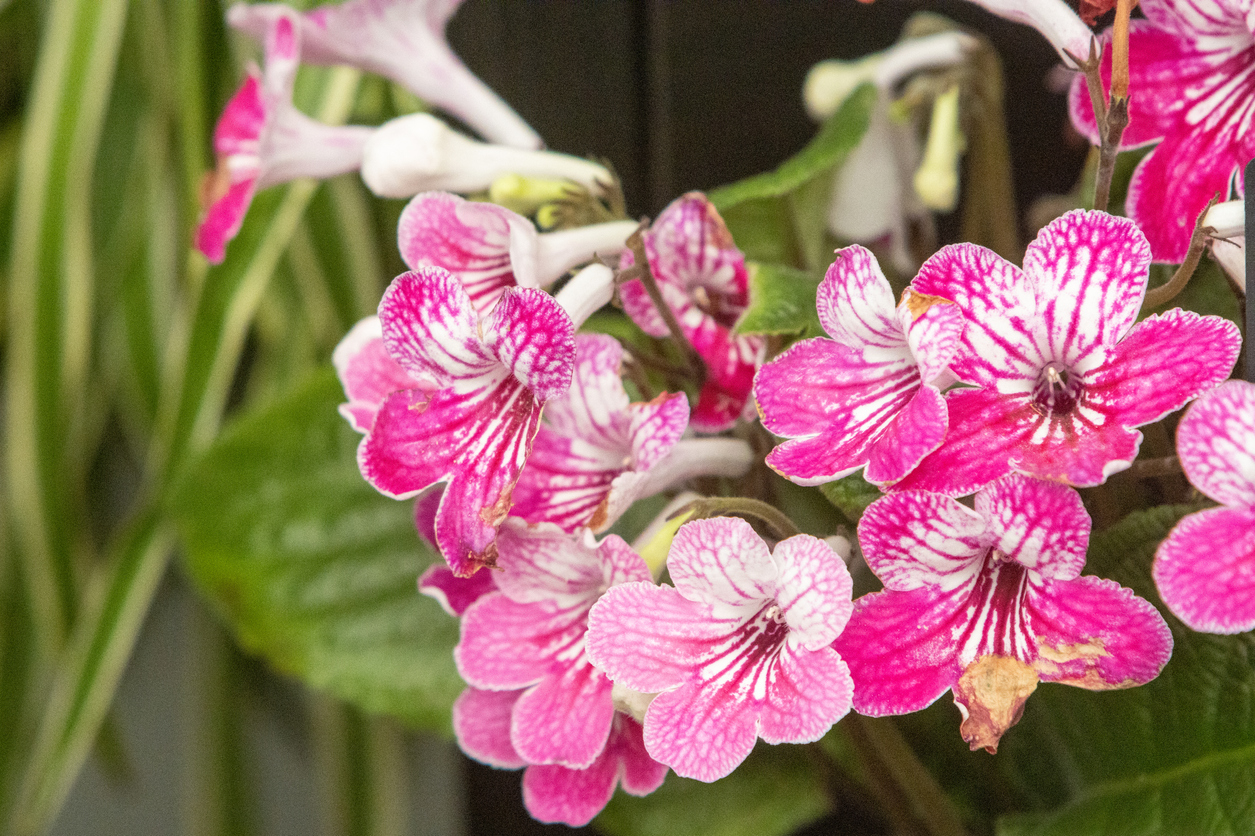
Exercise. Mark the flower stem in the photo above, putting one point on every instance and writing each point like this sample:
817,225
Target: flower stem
912,798
696,367
740,506
1163,294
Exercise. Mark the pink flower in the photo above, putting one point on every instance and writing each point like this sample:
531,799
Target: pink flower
1061,374
402,40
553,793
369,374
703,280
262,140
1204,569
596,453
867,395
530,635
1192,90
740,648
473,432
986,602
490,248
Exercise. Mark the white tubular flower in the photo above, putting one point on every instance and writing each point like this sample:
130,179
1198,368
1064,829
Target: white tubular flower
419,153
1054,19
873,196
1228,246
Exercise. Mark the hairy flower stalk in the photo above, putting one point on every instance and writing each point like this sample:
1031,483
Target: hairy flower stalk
262,140
419,153
490,248
738,649
403,40
1204,568
986,602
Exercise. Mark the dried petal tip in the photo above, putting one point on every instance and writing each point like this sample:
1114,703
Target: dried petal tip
991,695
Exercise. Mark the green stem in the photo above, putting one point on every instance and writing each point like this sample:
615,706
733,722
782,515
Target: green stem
740,506
912,797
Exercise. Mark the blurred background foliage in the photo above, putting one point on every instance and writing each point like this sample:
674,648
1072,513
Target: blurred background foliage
124,354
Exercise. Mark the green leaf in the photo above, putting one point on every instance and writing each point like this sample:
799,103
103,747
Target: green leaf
851,495
1174,756
777,790
782,301
311,567
780,216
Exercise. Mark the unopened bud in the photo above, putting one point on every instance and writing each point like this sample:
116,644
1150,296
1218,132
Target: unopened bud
937,178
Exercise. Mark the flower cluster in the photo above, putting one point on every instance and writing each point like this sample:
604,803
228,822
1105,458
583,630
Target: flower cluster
522,439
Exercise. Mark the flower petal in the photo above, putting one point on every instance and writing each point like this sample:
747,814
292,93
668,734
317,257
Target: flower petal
813,591
481,721
1090,271
933,327
1216,443
506,645
431,329
689,246
918,429
368,373
534,338
544,563
999,310
916,539
1166,360
722,562
474,241
700,733
855,302
1095,634
1041,525
900,651
649,637
1203,570
809,692
564,719
454,594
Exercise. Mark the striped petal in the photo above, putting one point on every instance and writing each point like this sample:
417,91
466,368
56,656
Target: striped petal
1216,443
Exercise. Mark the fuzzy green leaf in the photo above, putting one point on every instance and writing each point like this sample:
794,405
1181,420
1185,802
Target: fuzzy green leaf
777,790
1174,756
311,567
851,495
782,301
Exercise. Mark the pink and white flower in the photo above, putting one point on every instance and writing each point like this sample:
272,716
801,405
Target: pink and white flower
1060,369
1204,569
473,431
986,602
262,140
596,453
530,636
403,40
490,248
867,393
554,793
702,277
739,648
418,153
1192,90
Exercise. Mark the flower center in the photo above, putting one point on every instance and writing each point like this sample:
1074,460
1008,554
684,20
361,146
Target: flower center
1056,391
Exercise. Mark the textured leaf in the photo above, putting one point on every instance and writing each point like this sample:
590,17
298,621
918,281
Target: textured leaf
782,301
851,495
311,567
777,790
1174,756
